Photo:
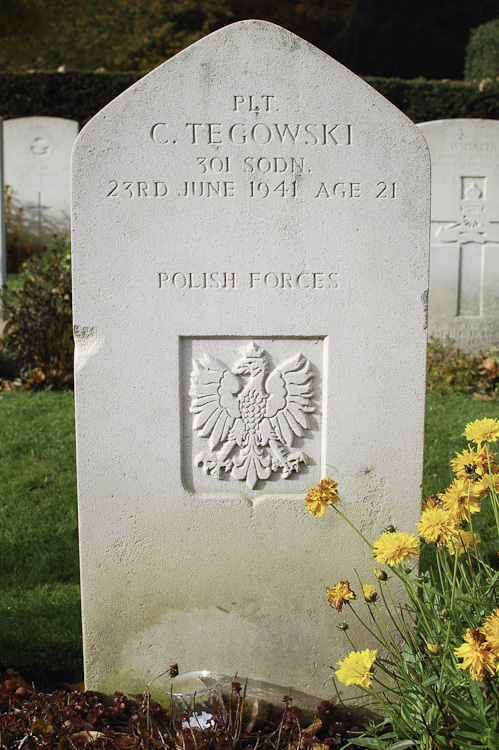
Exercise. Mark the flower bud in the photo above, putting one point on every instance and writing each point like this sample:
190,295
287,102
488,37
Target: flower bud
445,612
434,649
370,593
343,626
390,529
380,574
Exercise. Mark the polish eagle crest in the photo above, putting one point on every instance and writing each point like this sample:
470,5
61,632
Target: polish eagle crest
251,416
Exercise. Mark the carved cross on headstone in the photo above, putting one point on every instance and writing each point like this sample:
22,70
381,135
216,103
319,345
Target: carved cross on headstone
39,208
470,233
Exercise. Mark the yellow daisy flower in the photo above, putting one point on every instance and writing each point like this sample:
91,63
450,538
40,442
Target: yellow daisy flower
477,459
321,496
339,595
430,501
483,486
491,631
356,668
455,499
476,654
482,431
370,593
437,525
463,541
395,547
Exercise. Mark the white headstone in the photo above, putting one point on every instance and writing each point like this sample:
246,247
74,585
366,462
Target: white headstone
250,231
37,159
464,258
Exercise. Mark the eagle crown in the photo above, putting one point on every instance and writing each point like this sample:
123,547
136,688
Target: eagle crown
253,362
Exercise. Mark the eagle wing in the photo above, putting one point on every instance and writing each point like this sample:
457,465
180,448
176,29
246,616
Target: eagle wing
290,399
214,400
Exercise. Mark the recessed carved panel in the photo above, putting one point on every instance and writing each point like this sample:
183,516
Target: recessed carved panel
251,413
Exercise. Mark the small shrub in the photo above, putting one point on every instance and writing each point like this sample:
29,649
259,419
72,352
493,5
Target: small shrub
449,370
482,52
37,343
17,251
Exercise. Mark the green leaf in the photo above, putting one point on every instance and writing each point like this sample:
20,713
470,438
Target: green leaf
374,742
401,744
476,696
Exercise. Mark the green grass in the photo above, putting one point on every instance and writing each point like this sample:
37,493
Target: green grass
40,626
446,418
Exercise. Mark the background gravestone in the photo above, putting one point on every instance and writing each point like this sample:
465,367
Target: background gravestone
250,231
464,259
37,158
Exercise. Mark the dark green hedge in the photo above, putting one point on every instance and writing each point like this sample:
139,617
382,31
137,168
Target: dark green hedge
79,96
423,100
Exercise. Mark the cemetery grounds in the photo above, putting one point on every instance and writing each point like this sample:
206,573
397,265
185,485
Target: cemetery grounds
40,627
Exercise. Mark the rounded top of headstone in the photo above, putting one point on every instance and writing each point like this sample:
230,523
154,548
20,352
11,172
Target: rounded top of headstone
258,53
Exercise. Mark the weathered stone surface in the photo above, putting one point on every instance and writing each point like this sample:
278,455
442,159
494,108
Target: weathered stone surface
250,254
464,259
36,164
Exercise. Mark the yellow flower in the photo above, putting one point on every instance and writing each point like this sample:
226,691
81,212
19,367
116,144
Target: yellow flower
356,668
461,542
437,525
483,486
482,431
476,654
430,501
321,496
491,631
395,547
471,457
455,499
370,593
339,595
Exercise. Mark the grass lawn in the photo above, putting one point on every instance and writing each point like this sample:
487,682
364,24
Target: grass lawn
40,626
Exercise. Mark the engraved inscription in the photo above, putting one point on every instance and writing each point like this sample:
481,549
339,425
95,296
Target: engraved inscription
204,280
218,175
262,133
254,280
251,417
253,103
137,189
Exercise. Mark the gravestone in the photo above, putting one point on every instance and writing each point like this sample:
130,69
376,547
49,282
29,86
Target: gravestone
464,258
250,231
37,159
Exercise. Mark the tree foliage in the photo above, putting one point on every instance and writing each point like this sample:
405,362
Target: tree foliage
482,52
138,35
409,39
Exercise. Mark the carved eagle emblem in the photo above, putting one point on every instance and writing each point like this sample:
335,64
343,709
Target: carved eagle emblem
251,416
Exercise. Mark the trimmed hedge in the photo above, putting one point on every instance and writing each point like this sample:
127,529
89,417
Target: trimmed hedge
79,96
423,100
482,52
